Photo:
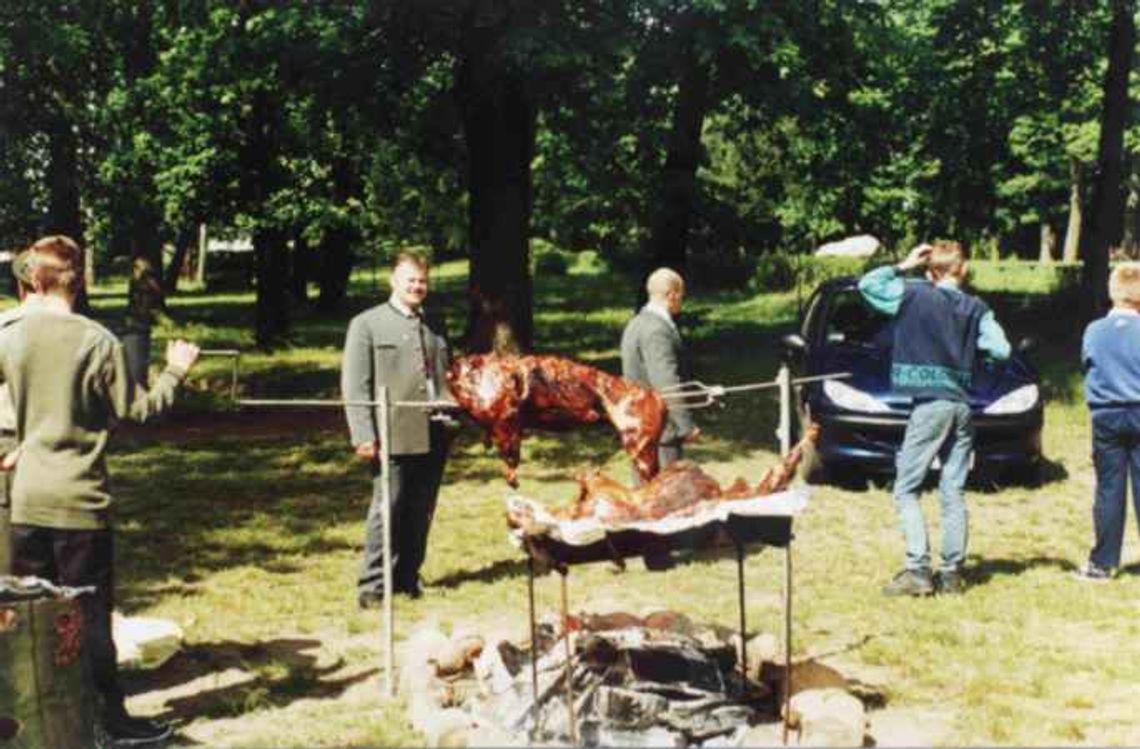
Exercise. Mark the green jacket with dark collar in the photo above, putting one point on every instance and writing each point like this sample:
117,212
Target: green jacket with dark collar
385,347
70,384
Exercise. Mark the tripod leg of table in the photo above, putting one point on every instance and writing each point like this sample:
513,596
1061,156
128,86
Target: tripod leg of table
569,673
787,638
743,622
533,645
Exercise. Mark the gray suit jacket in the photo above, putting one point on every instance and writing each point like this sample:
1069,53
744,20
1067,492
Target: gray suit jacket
383,347
651,354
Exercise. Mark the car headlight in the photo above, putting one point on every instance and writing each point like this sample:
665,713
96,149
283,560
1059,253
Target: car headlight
853,399
1018,401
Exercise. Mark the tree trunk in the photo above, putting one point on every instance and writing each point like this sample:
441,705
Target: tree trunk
1106,217
499,127
672,216
145,292
145,298
338,242
335,266
271,259
64,215
180,262
1048,245
1130,234
300,269
1076,209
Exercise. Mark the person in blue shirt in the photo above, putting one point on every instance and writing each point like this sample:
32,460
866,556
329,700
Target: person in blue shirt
939,330
1110,357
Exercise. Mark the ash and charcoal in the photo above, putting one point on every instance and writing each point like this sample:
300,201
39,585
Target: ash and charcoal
654,681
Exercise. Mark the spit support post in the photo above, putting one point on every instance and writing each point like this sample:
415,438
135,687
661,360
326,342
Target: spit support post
384,427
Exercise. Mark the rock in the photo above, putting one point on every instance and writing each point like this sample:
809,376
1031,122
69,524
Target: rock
806,675
828,717
415,658
143,642
764,647
763,734
859,246
456,655
446,728
493,736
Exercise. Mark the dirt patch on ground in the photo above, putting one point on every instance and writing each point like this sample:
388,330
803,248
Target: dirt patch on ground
263,423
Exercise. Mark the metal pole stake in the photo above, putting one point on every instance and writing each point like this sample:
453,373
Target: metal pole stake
740,595
787,637
386,513
533,643
569,684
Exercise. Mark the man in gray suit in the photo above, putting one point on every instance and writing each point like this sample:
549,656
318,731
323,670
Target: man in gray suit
393,344
652,354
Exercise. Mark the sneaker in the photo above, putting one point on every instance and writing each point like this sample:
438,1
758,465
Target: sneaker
910,583
950,583
1093,573
123,730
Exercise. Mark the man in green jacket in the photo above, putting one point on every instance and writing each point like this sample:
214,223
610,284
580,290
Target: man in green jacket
69,383
395,345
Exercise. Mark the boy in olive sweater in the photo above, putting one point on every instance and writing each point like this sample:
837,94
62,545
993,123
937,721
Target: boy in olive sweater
69,383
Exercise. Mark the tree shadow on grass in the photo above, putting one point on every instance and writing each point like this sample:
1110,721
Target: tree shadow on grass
268,674
984,570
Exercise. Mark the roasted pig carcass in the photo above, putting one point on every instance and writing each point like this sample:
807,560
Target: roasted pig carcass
680,489
507,394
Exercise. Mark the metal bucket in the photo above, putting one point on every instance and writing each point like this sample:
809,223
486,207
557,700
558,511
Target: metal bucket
46,695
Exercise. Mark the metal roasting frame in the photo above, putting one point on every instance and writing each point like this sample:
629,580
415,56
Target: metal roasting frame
681,394
563,570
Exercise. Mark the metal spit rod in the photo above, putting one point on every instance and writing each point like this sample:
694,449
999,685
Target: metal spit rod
696,394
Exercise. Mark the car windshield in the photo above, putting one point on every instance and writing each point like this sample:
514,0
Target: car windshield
851,321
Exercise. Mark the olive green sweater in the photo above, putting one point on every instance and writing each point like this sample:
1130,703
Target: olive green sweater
70,384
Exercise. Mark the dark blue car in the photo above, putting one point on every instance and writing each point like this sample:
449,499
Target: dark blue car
862,421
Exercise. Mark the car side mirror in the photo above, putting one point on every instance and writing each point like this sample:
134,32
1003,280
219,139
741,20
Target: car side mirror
794,345
1027,344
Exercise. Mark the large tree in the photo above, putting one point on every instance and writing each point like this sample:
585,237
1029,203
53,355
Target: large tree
1105,217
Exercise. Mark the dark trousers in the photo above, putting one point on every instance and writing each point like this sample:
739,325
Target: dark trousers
414,485
76,559
1116,452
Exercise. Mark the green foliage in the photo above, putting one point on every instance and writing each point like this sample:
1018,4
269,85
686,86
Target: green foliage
783,271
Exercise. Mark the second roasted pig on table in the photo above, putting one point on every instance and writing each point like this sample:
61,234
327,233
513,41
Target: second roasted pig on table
679,489
507,394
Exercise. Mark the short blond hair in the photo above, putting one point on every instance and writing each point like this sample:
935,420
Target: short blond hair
1124,285
662,281
410,257
51,264
947,258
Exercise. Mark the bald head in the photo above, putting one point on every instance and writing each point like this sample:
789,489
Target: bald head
666,287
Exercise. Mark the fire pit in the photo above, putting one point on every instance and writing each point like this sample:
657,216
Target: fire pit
657,680
553,543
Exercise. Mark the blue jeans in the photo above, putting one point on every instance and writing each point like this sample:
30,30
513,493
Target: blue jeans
1116,450
945,429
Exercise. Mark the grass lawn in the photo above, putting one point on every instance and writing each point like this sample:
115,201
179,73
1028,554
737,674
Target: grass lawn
245,528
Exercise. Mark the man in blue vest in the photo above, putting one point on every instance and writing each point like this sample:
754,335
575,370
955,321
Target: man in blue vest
939,330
